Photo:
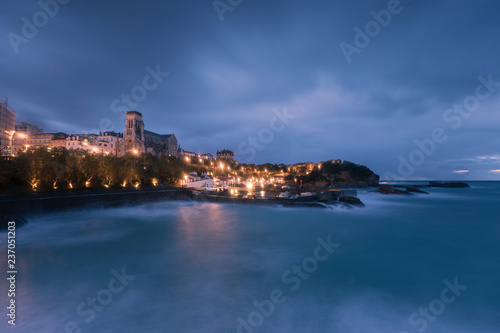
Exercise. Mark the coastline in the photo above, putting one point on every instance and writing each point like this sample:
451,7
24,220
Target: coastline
22,205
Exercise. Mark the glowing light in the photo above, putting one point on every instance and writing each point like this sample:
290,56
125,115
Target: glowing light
221,165
262,193
135,151
249,186
94,149
21,135
124,184
155,182
34,183
70,185
232,192
187,159
136,185
106,185
87,184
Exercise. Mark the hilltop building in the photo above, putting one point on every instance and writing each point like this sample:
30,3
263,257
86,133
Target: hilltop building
137,140
225,154
207,157
202,157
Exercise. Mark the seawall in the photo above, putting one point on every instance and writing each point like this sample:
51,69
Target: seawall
39,203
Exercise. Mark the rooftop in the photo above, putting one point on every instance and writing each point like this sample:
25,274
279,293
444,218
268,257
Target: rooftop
161,136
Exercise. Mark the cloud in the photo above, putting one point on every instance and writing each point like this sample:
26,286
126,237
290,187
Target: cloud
227,77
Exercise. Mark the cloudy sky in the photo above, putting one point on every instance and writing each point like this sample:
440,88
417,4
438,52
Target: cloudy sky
410,88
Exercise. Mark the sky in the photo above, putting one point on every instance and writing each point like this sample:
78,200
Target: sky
409,88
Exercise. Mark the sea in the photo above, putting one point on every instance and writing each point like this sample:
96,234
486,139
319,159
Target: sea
419,263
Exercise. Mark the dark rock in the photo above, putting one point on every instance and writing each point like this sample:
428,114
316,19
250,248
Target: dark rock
328,196
351,200
308,198
449,184
386,189
414,189
406,185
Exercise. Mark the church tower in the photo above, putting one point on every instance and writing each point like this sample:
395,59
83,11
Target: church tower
133,137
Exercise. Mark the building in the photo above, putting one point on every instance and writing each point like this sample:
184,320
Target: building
104,143
136,140
21,139
49,140
107,143
207,157
58,140
7,127
225,154
187,153
40,140
201,157
27,128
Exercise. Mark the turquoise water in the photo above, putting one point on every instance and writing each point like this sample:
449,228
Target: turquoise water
184,267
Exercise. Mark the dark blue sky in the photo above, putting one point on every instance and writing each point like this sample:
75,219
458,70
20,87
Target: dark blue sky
228,79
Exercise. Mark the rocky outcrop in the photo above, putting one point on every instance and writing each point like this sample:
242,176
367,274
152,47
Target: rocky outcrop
329,197
342,175
449,184
308,198
414,189
351,200
386,189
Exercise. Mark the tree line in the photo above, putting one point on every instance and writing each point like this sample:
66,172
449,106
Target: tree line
44,169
